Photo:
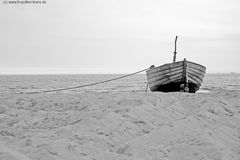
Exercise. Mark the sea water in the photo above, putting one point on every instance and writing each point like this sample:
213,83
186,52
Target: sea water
136,83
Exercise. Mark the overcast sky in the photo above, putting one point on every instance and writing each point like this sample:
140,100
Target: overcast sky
118,36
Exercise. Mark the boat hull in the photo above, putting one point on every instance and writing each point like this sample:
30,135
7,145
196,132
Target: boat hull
170,77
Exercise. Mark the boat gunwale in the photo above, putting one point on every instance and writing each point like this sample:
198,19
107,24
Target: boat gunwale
158,68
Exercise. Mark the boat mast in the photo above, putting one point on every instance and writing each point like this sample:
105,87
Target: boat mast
175,50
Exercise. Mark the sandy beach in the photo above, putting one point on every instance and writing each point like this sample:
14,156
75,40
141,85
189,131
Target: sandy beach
120,126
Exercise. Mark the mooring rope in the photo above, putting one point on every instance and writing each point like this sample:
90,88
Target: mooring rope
86,85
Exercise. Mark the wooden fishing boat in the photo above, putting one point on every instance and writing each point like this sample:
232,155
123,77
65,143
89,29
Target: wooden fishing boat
182,76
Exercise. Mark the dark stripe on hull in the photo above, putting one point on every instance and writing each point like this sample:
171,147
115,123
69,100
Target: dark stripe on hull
174,87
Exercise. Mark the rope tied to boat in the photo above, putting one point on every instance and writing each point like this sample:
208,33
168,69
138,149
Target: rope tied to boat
86,85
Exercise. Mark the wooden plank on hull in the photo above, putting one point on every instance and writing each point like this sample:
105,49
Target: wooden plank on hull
163,72
197,76
196,66
200,75
163,78
165,67
193,63
170,77
197,72
162,75
197,69
167,80
198,79
179,79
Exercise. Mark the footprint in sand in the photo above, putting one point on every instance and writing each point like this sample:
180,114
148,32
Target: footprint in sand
125,150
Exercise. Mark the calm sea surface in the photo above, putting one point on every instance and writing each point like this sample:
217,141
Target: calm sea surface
136,83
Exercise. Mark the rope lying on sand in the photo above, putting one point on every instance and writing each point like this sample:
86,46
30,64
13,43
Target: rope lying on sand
86,85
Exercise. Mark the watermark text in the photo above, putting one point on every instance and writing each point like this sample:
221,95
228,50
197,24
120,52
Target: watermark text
24,2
